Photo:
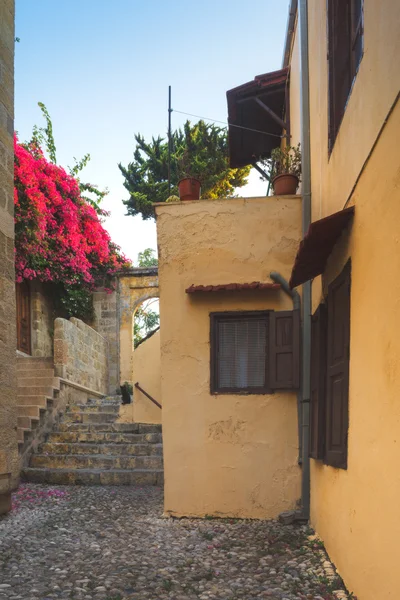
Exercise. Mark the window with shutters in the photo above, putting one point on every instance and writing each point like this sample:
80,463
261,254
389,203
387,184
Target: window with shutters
330,355
318,382
345,50
254,352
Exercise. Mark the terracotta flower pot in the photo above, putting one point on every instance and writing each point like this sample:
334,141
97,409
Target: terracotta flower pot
285,185
189,189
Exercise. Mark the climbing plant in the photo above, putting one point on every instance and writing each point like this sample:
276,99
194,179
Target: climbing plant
59,236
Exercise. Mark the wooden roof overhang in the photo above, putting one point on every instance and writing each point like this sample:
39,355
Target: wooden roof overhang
256,115
317,244
233,287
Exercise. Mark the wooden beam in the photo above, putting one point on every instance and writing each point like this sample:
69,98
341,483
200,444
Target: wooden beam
261,171
271,113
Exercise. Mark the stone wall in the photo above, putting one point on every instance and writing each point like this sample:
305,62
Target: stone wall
106,324
80,354
42,320
9,464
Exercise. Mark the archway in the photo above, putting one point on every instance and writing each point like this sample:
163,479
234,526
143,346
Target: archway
135,286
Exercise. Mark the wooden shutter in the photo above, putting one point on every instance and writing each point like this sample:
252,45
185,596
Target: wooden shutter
318,381
337,413
284,349
340,62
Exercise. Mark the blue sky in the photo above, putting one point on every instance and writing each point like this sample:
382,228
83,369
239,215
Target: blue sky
103,69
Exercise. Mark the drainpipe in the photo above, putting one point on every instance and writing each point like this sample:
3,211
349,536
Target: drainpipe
294,294
306,210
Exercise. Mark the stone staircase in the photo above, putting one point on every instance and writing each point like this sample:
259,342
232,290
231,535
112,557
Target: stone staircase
88,447
37,392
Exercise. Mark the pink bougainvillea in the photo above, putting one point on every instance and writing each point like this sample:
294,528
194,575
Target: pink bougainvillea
59,236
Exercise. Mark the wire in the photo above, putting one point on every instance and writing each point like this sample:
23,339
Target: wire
229,124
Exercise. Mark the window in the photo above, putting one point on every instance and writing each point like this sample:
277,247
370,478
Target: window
330,351
345,49
254,352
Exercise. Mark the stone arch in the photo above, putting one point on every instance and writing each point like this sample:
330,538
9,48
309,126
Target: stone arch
134,287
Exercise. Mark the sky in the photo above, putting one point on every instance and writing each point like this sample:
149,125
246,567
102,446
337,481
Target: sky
103,69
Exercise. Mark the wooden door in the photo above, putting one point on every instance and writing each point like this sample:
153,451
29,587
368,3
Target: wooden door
23,317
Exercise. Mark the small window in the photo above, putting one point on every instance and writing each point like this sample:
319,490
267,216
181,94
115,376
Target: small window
254,352
240,342
345,49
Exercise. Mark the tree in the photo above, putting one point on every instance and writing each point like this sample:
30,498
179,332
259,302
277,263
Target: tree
147,258
205,149
146,320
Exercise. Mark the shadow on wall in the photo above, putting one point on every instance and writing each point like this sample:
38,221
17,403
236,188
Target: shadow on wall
145,371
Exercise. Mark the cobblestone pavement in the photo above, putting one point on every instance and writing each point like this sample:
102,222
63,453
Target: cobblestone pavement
105,543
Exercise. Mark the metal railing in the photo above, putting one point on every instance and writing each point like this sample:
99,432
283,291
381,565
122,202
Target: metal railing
147,395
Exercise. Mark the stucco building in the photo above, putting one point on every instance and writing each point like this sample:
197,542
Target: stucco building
351,254
230,406
9,466
231,452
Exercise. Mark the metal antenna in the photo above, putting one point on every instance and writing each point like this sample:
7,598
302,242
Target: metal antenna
169,140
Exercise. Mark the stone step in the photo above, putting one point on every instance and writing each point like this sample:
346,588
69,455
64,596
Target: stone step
127,449
34,401
21,434
81,417
27,383
27,422
35,391
110,427
73,437
25,410
28,373
34,363
93,476
105,400
100,461
93,408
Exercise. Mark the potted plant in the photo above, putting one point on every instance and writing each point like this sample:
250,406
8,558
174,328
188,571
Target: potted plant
285,170
173,199
189,185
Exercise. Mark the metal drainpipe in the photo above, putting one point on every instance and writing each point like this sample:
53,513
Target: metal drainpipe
306,210
294,294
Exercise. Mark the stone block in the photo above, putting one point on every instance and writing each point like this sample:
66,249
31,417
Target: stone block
5,503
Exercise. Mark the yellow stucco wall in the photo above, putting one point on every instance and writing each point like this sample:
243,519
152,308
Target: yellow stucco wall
375,88
226,455
356,511
146,365
132,291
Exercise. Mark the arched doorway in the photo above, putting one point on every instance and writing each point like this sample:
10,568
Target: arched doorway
136,286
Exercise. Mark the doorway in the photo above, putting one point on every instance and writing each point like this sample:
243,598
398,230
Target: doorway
23,300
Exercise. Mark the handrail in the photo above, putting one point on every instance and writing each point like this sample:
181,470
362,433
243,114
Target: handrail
148,395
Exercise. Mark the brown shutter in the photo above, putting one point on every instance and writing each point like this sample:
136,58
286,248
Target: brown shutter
284,348
318,381
340,62
337,420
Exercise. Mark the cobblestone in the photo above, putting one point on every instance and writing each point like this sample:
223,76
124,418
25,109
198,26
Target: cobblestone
112,543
